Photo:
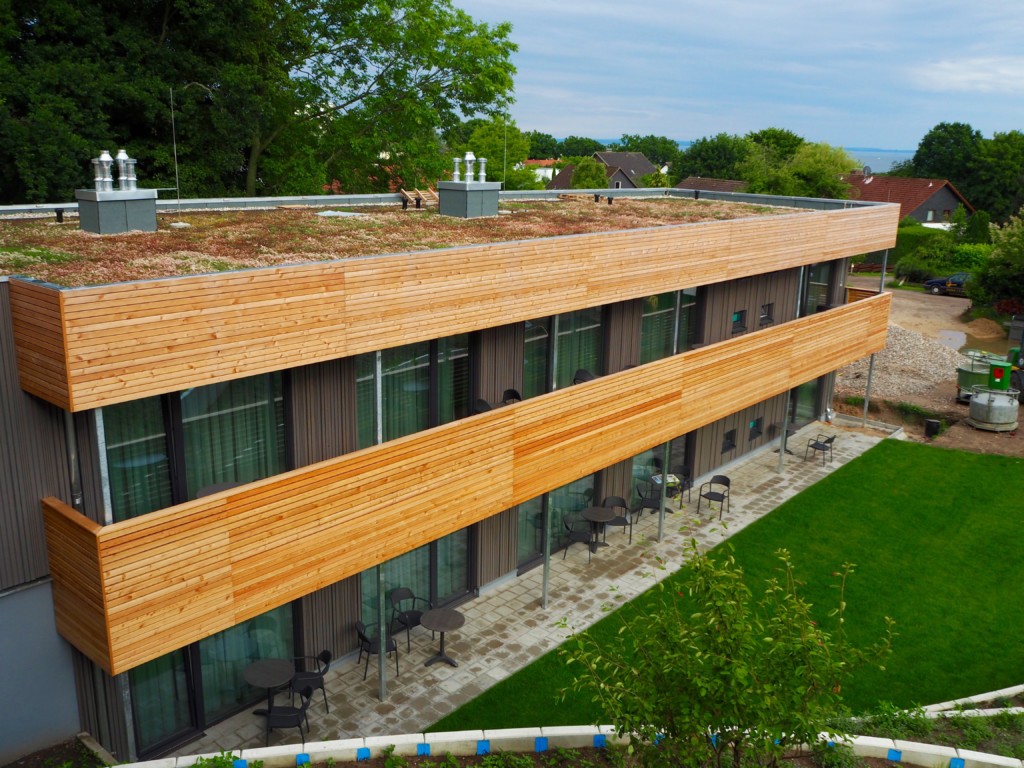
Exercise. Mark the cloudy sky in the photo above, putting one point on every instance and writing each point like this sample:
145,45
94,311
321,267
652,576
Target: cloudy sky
864,73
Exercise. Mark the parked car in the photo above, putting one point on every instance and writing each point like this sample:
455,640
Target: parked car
953,285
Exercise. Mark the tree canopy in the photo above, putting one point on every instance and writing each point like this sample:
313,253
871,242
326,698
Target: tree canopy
660,150
505,147
269,96
588,173
577,146
543,146
714,157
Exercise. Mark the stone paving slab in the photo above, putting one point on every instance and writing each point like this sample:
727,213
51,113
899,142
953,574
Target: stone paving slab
507,628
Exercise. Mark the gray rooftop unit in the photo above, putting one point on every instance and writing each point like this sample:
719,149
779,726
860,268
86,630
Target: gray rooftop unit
469,198
108,211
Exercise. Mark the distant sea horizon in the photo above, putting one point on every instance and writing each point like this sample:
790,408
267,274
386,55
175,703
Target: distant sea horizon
877,159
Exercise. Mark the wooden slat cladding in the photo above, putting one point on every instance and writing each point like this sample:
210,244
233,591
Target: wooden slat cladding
108,344
78,583
175,576
856,294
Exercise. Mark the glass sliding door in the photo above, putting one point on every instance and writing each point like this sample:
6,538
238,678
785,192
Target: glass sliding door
137,457
453,378
161,701
816,287
579,343
537,357
233,432
658,327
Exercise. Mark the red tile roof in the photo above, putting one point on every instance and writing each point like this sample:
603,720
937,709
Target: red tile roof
910,193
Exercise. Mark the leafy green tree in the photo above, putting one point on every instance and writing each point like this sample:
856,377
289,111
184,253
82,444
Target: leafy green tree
818,169
263,90
781,143
505,147
588,173
997,175
1002,275
576,146
712,676
655,179
543,146
660,150
457,135
715,157
947,152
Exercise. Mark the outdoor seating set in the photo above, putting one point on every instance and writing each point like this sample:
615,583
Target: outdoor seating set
407,611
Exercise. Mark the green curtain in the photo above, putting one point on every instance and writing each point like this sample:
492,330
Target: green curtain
537,357
453,378
579,343
366,399
689,322
225,655
137,457
410,570
405,389
234,431
657,329
160,700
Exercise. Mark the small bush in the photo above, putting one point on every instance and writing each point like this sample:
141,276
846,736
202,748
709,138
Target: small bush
834,756
890,722
973,730
913,269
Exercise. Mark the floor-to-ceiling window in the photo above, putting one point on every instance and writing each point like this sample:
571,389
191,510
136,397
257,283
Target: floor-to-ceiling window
817,278
551,510
167,449
669,324
559,346
407,389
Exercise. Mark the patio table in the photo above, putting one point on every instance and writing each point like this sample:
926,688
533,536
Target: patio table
270,674
442,620
597,517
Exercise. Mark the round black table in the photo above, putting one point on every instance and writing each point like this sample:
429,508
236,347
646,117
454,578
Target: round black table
270,674
597,517
442,620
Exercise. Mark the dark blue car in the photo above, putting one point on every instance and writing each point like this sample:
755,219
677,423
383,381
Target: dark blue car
953,285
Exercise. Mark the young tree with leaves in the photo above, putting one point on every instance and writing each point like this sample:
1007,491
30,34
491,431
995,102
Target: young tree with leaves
588,173
712,676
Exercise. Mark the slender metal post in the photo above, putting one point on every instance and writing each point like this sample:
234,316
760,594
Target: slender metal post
382,678
785,430
871,362
547,560
664,492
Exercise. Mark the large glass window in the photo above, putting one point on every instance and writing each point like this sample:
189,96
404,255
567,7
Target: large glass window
138,461
579,343
233,432
551,508
816,291
407,389
229,432
669,324
160,700
537,358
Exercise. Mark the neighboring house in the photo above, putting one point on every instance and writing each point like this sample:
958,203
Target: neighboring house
206,470
543,169
712,185
623,170
930,201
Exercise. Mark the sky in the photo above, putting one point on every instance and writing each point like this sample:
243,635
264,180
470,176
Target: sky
870,73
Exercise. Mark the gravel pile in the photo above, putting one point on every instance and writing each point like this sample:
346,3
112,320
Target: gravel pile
910,364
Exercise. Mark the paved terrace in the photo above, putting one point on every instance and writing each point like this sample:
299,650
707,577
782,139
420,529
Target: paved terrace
506,628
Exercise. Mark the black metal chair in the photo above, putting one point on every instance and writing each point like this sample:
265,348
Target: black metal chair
313,678
715,490
650,498
582,375
510,396
624,520
370,645
575,535
406,611
821,444
289,717
685,475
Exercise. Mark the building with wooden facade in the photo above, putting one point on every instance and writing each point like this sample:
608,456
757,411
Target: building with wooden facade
204,470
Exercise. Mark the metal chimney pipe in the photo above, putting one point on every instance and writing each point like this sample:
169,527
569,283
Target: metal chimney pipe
469,158
97,173
106,180
129,165
482,176
456,175
122,170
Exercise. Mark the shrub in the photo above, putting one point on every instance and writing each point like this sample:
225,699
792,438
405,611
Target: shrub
913,269
827,755
890,722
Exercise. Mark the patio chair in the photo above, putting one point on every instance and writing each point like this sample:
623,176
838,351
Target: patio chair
650,498
313,678
289,717
625,520
406,611
574,535
821,444
370,645
715,490
685,475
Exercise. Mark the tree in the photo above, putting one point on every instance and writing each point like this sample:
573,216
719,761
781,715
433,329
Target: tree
505,148
717,157
780,143
1001,278
575,146
997,175
660,150
814,170
264,90
588,173
711,676
946,152
655,179
543,146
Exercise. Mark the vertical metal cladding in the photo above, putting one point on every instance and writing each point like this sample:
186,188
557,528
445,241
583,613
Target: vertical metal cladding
33,464
328,616
323,411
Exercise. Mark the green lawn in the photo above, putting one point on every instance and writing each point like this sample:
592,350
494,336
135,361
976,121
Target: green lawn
937,539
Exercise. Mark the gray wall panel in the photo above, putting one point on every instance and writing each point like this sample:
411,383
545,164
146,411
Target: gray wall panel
496,554
38,683
33,464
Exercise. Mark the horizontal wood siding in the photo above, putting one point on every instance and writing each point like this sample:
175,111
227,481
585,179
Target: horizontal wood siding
856,294
87,347
74,543
175,576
